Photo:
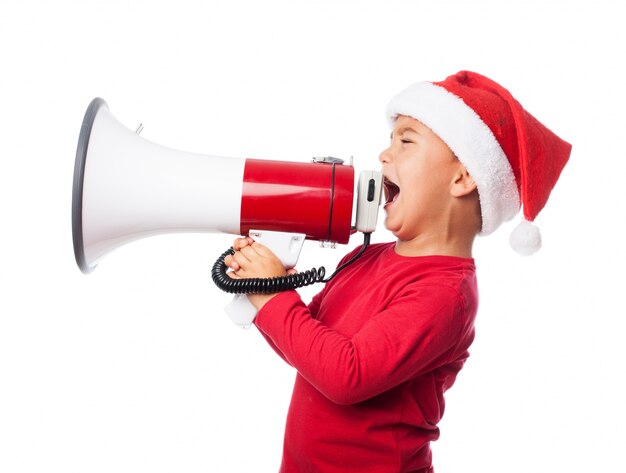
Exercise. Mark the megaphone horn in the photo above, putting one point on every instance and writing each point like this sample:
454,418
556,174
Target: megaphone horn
126,187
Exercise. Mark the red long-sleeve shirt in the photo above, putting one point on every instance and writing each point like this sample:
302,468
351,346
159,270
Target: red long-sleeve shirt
374,351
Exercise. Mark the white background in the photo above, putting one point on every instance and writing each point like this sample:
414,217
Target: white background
135,368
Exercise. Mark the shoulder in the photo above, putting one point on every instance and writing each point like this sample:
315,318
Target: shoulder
440,280
441,283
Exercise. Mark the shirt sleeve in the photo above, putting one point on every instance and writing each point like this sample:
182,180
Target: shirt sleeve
313,307
418,332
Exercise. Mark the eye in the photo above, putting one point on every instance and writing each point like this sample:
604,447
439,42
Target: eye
404,140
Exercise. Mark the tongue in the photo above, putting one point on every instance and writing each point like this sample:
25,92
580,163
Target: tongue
391,193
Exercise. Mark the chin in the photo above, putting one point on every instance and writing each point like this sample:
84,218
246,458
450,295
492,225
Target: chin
393,221
394,230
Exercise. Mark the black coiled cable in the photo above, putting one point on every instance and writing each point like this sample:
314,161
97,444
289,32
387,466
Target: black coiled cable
276,284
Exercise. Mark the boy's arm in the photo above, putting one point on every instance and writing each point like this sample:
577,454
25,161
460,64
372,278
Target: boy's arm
421,330
313,308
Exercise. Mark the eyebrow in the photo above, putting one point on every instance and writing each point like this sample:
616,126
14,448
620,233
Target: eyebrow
403,129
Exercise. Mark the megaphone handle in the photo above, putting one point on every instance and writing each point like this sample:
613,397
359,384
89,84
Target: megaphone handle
241,311
287,247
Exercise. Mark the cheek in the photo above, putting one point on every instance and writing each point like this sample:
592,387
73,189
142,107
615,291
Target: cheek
415,182
423,193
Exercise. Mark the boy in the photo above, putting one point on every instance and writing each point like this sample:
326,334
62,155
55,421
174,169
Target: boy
377,348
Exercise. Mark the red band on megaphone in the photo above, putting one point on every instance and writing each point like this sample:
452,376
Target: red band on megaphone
311,198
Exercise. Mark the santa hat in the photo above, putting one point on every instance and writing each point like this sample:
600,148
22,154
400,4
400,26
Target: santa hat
513,158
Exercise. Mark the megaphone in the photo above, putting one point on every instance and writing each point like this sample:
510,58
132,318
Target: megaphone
126,188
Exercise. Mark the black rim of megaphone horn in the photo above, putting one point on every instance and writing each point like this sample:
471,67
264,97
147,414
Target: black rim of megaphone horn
79,177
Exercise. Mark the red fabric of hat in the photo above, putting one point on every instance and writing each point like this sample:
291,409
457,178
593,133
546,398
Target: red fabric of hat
535,153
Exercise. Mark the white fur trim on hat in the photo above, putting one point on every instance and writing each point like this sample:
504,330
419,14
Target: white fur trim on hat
471,140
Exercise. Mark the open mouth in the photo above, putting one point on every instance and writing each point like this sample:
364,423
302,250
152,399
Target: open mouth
392,191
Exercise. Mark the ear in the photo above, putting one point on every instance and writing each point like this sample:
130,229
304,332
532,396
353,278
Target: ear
463,184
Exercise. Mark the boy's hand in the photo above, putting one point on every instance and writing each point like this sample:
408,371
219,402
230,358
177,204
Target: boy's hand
254,260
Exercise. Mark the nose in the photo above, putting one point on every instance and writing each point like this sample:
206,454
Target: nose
385,156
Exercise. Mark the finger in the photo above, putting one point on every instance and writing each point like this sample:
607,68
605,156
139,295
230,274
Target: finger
241,259
262,249
250,252
231,263
291,271
240,243
243,242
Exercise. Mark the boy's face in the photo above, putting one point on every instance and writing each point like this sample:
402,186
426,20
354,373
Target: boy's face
419,171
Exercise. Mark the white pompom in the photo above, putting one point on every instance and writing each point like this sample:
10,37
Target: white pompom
525,238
